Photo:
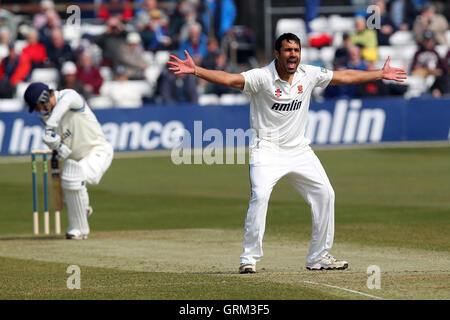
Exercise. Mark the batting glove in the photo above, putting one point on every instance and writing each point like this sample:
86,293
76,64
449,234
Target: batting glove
63,152
51,139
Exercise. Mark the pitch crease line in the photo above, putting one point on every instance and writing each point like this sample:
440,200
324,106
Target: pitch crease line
345,289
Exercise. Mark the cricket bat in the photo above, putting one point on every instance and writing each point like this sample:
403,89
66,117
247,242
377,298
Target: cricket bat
56,198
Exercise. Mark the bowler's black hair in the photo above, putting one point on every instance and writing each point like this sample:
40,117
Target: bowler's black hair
288,37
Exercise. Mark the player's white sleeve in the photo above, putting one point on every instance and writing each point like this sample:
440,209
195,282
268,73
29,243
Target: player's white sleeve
68,99
322,75
254,80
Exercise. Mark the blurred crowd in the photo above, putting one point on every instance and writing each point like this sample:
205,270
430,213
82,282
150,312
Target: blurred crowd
136,30
360,49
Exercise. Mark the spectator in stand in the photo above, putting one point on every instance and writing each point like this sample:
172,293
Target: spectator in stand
350,90
356,60
342,55
427,62
429,20
387,27
68,79
218,17
154,32
220,63
312,12
113,38
5,39
35,50
143,15
403,13
190,16
122,8
366,39
195,44
89,75
372,89
131,57
121,91
442,87
209,61
40,19
53,21
58,50
14,68
8,20
144,22
177,20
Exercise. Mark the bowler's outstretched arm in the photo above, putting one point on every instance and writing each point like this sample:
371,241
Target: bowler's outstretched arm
358,76
188,66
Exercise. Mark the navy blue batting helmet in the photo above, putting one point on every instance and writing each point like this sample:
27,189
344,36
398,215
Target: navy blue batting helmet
35,93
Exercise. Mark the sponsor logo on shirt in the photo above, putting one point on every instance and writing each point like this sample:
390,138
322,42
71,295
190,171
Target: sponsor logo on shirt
294,105
66,135
324,70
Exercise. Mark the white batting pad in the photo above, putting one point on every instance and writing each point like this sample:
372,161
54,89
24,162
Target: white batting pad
73,182
77,202
72,175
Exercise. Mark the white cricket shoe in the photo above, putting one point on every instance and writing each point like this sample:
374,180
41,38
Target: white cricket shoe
76,235
247,268
328,263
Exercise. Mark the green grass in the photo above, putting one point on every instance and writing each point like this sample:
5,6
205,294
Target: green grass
401,194
48,282
395,197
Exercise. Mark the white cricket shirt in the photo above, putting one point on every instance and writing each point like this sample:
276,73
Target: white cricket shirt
77,125
279,110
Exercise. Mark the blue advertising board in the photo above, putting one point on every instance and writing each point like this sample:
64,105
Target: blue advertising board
332,122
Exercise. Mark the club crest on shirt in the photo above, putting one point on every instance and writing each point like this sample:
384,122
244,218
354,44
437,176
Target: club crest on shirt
300,89
278,93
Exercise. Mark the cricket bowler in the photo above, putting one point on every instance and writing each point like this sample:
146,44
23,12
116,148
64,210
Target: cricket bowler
280,95
72,130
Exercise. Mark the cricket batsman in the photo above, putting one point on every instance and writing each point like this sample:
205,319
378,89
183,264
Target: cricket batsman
72,130
280,95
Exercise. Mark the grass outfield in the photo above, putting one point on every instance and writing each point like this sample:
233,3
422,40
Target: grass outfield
161,231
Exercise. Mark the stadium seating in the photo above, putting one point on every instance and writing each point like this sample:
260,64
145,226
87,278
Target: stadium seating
11,105
208,99
100,102
45,75
106,73
341,24
296,26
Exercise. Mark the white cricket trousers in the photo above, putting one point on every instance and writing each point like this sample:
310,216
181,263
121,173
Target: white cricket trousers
75,175
268,164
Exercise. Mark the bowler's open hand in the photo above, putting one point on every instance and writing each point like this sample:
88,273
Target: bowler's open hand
179,66
390,73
